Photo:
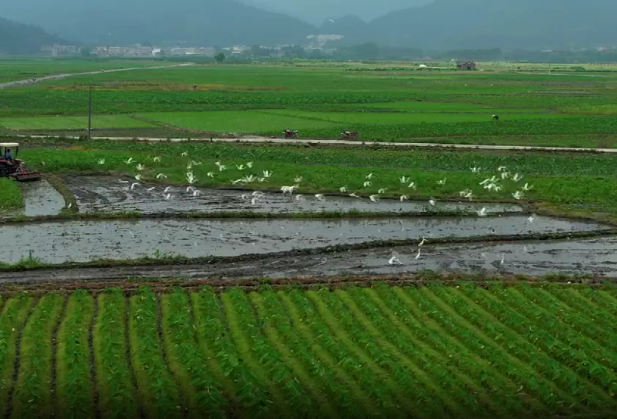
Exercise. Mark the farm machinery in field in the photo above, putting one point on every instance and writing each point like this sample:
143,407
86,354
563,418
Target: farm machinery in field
12,167
288,133
350,135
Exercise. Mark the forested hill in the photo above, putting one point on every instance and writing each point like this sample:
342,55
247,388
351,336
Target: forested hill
18,39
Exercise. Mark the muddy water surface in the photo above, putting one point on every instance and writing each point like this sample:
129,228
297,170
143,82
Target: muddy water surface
80,241
107,194
40,199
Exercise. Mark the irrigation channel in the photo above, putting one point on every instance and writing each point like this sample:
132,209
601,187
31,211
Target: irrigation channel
506,241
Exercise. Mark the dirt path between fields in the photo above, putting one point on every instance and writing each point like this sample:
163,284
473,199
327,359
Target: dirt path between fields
55,77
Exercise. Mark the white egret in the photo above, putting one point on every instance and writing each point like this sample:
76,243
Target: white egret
404,198
482,212
367,184
129,161
320,197
505,175
476,169
249,165
267,174
369,176
298,179
442,182
138,178
527,187
517,177
102,161
168,197
343,189
422,242
123,181
222,168
196,193
531,218
156,159
185,154
140,167
133,186
503,259
300,198
419,254
394,261
354,195
404,180
502,168
161,176
382,190
254,201
167,189
240,167
374,198
432,202
413,186
210,174
151,189
518,195
258,193
190,189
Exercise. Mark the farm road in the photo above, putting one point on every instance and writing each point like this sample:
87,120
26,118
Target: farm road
346,143
21,83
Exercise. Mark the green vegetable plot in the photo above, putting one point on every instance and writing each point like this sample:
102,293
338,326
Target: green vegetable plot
434,351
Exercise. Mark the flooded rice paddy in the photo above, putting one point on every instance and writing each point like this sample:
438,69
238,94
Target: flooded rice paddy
107,194
81,241
41,199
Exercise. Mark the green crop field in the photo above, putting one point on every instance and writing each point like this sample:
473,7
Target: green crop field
10,195
23,69
72,122
423,352
574,182
384,103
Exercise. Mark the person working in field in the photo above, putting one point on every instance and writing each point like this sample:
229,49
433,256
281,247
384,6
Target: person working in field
7,155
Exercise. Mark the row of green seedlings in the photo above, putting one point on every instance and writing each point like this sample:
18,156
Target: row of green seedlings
525,340
480,335
74,386
33,396
565,342
115,387
12,319
479,375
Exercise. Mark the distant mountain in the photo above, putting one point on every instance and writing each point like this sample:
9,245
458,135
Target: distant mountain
190,22
351,26
533,24
17,38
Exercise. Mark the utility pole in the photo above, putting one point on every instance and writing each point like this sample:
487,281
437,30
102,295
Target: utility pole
90,113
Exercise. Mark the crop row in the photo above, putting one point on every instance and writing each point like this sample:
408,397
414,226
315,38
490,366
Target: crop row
432,351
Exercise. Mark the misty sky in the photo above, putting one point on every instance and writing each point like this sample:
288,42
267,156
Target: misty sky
312,11
316,11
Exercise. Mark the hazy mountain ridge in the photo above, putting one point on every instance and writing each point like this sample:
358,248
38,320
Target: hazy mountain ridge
17,38
533,24
441,25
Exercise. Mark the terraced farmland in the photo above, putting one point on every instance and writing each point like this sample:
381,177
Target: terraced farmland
428,352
